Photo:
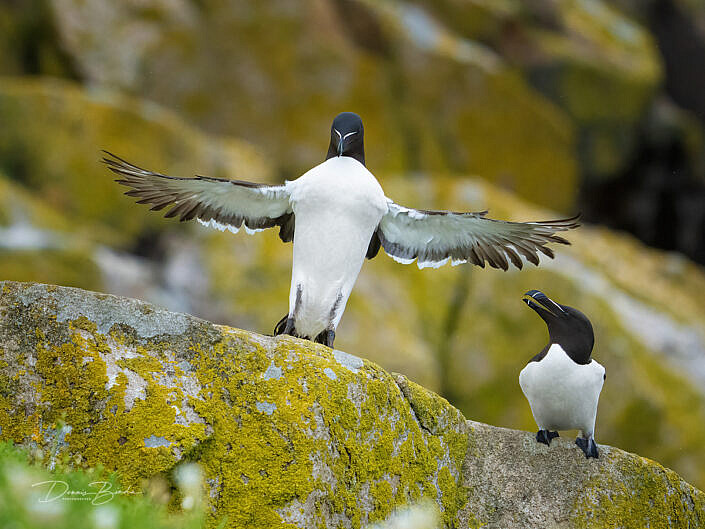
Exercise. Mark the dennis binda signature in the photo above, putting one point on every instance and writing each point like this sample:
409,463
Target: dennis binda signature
102,492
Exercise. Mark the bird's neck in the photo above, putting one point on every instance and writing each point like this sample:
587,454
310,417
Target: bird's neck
579,355
358,155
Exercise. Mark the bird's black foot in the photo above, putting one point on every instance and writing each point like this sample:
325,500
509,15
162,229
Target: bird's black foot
545,436
588,446
326,337
285,326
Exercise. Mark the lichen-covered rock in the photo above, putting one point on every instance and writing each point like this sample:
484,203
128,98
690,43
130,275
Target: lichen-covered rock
442,65
464,85
430,99
36,241
515,482
463,331
597,64
290,433
287,432
51,140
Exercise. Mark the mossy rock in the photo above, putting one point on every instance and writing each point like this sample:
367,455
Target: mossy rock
460,331
289,433
605,70
598,64
441,103
518,483
496,89
51,140
464,332
38,243
29,44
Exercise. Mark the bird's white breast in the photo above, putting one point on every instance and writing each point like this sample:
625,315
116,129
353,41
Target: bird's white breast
339,181
563,395
337,206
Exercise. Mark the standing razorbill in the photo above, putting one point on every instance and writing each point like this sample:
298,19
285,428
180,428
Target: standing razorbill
337,214
562,383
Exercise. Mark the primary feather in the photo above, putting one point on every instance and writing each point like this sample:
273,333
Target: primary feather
435,237
215,202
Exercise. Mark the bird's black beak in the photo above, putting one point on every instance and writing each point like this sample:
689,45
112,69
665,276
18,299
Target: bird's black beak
542,304
340,146
342,138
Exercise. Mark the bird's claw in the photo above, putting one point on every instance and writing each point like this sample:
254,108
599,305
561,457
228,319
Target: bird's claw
545,436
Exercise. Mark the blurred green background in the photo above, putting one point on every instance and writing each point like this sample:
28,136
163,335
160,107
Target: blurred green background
531,108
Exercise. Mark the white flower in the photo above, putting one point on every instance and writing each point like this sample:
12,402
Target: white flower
189,478
188,502
106,517
423,515
19,479
43,512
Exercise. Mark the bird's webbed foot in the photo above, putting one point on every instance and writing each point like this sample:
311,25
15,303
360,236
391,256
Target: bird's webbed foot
326,337
545,436
285,326
588,446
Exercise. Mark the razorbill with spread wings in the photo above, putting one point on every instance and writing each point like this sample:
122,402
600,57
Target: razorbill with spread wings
562,383
337,214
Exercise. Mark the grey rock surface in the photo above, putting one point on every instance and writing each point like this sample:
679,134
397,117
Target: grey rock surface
290,433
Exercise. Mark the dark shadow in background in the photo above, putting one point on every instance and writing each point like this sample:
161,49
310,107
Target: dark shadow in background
660,195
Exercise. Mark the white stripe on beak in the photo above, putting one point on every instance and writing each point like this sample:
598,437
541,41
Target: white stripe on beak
556,304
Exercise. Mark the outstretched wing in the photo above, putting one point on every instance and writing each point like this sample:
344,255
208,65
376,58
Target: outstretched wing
435,237
215,202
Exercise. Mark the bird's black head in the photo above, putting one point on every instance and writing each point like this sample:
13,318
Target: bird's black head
347,137
567,327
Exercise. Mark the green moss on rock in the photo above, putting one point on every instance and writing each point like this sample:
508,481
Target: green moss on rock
666,502
495,126
289,433
519,483
613,278
68,174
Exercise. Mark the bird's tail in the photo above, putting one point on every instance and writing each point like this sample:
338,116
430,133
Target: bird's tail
281,325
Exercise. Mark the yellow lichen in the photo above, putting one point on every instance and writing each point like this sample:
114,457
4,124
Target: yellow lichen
665,500
277,425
